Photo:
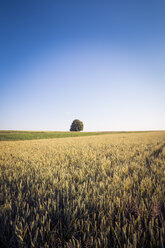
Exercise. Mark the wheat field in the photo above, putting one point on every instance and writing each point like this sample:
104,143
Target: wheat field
98,191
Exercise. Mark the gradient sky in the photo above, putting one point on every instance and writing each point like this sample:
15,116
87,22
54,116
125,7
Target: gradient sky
102,62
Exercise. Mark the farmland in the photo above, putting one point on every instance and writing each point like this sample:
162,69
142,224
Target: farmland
95,191
31,135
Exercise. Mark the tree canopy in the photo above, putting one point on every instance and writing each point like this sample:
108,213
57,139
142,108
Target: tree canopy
77,125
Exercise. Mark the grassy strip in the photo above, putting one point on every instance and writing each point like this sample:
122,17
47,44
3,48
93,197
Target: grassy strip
11,135
31,135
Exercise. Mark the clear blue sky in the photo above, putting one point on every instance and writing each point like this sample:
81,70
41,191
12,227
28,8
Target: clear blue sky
102,62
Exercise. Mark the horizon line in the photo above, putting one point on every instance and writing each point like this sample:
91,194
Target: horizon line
119,131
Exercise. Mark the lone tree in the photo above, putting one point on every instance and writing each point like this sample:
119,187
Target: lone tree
77,125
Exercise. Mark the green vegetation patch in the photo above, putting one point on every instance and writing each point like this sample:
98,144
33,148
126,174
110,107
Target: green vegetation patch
25,135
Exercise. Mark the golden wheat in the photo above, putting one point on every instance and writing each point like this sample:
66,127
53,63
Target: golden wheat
100,191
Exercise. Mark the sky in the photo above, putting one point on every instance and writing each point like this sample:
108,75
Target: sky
102,62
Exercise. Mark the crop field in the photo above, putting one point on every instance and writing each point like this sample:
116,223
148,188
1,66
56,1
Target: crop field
30,135
96,191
